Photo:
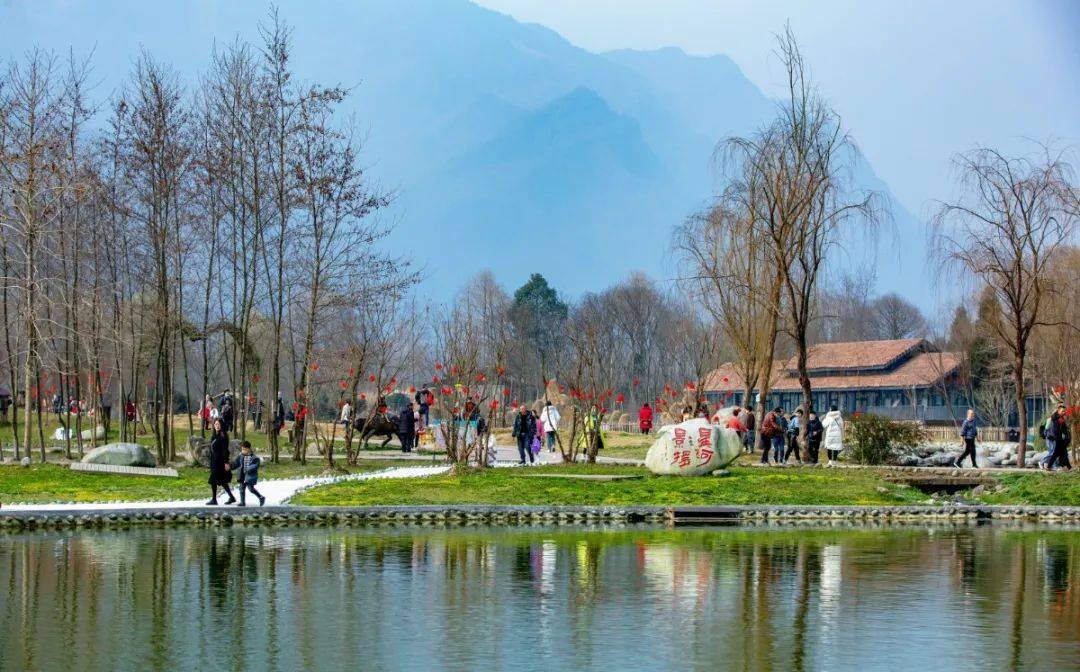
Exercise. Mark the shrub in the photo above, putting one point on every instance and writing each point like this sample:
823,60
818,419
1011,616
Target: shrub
876,439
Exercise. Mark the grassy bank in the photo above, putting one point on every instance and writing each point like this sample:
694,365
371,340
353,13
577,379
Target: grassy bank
55,483
745,485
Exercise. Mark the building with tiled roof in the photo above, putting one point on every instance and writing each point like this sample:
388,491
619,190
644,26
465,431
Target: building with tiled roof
905,378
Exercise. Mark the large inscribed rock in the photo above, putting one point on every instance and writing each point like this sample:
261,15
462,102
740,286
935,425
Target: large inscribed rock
693,448
121,454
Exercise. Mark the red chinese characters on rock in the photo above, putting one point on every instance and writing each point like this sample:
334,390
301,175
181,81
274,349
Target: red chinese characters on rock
680,436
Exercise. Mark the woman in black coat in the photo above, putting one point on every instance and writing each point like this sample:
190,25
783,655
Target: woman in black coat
219,464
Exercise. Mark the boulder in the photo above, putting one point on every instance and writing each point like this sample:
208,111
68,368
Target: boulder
199,450
693,448
121,454
61,434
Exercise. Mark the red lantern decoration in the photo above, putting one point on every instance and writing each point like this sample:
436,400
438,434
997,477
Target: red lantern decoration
446,390
494,404
393,381
295,405
434,380
465,389
438,366
725,379
690,385
371,377
314,366
619,399
635,382
480,377
514,404
362,396
506,392
501,370
412,389
454,369
344,385
255,379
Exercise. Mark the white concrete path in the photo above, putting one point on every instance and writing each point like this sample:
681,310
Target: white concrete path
276,491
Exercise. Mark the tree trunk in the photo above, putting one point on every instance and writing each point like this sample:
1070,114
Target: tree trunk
1021,409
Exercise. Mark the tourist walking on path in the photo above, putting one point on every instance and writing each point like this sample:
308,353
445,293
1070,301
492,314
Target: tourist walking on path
346,413
772,435
204,412
424,400
279,414
551,418
406,428
644,418
524,430
219,464
793,437
968,431
246,466
814,433
1058,438
834,434
750,421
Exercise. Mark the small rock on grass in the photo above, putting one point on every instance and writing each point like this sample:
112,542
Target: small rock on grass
720,473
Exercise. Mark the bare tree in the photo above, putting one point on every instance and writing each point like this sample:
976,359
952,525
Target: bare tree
895,318
1013,216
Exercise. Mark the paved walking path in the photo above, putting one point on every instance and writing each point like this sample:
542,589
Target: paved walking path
276,491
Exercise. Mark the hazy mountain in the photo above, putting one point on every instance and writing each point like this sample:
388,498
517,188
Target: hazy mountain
507,146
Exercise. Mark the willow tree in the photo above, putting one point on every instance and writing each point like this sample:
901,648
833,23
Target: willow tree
802,164
1007,228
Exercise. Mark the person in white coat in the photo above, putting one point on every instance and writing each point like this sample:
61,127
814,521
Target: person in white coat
834,434
550,419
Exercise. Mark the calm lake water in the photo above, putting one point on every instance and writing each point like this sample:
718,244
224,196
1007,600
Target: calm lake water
729,598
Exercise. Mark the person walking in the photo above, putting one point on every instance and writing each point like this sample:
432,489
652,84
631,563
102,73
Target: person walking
424,400
734,422
750,422
645,418
406,428
793,437
1058,438
227,412
219,464
772,435
346,413
246,466
833,425
204,412
968,431
550,418
814,432
524,430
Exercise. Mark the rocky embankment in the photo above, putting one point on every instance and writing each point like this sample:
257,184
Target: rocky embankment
990,454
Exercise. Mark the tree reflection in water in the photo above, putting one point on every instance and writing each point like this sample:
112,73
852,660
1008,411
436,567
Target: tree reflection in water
525,598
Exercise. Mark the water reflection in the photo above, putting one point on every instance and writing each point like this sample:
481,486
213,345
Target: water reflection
649,599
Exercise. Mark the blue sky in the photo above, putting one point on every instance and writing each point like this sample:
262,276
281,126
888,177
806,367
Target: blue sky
915,81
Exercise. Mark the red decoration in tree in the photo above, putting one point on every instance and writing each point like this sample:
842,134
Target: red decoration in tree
438,366
363,396
314,366
619,399
1059,389
635,382
494,404
500,370
562,388
465,389
506,392
725,379
295,405
344,385
412,389
352,372
690,385
393,381
514,404
255,379
371,377
434,380
480,377
446,390
454,369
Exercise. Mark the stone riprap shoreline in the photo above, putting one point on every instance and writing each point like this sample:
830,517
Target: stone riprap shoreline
990,454
446,516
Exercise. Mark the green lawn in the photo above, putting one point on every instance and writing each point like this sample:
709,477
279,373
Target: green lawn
745,485
521,486
55,483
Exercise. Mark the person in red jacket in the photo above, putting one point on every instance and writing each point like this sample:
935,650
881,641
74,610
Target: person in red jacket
644,418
